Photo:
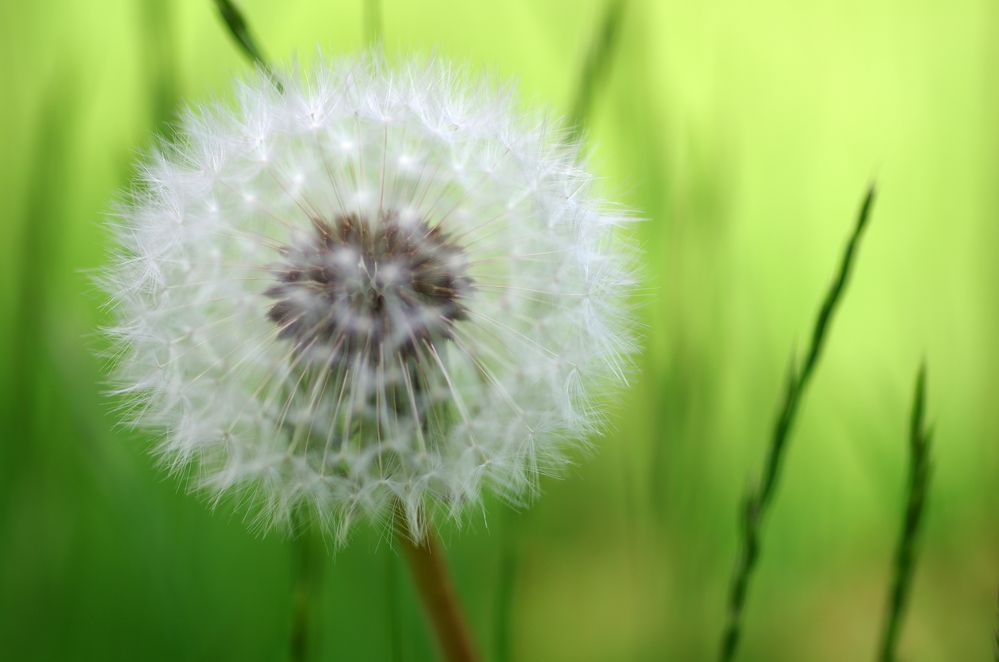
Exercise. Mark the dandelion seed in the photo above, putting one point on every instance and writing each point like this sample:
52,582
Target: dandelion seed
375,288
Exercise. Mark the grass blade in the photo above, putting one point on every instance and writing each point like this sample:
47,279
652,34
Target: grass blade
157,25
241,34
373,22
758,501
508,566
995,645
392,603
594,71
596,67
40,242
905,556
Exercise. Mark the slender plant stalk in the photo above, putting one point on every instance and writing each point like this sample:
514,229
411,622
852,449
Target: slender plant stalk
427,564
392,604
426,558
596,66
905,555
759,500
157,31
592,76
508,566
995,644
308,566
241,34
42,236
373,22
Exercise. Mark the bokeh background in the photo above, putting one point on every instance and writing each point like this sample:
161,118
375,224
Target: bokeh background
746,133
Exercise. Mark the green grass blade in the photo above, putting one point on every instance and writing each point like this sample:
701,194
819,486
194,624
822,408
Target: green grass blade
905,555
508,566
596,67
995,644
594,72
758,501
393,606
157,25
41,242
241,34
373,31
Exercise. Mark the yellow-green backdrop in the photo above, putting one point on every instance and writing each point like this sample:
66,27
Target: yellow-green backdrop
745,133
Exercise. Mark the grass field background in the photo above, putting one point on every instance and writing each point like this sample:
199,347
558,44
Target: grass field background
746,133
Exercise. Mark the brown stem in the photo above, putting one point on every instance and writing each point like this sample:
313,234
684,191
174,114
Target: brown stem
427,563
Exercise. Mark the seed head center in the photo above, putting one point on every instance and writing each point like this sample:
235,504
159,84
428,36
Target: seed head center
369,288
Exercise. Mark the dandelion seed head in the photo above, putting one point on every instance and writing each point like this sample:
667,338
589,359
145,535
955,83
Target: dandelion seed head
382,285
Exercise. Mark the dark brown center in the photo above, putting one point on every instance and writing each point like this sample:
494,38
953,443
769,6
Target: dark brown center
366,290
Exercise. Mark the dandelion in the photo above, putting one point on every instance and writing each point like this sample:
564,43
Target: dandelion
373,292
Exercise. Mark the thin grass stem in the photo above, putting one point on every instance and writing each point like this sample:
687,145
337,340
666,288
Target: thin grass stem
758,501
240,31
592,76
995,642
373,29
157,24
42,238
507,581
595,67
308,567
905,556
392,604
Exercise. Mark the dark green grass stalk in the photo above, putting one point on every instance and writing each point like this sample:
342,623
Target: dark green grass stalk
596,67
41,243
757,503
509,564
308,577
995,644
158,50
373,31
905,555
241,34
306,547
392,602
593,75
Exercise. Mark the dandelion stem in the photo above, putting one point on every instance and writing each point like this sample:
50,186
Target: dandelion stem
595,66
427,564
306,579
758,501
905,555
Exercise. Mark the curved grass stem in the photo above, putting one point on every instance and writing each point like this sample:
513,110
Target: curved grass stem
758,501
239,29
595,67
905,555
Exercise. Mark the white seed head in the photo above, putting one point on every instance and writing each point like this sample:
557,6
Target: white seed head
380,287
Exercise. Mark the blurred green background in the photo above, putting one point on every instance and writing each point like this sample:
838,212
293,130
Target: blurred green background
745,133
